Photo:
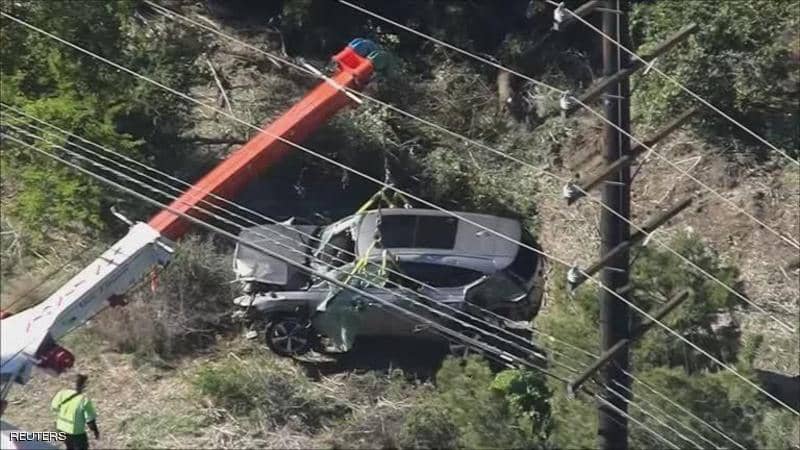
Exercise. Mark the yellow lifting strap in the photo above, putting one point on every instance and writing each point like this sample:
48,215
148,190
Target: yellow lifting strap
381,195
368,203
362,262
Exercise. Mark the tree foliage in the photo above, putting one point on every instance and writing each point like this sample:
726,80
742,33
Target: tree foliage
75,92
662,361
473,408
744,58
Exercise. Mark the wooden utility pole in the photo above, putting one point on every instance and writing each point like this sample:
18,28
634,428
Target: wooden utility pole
612,427
616,240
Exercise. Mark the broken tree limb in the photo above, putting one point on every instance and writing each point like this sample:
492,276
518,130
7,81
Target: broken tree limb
219,86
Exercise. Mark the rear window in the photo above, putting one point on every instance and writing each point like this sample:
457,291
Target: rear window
418,231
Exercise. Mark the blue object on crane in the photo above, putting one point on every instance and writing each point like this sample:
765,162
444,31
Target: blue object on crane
363,46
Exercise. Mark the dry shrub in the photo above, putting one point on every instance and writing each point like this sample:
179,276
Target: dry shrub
187,311
382,402
269,392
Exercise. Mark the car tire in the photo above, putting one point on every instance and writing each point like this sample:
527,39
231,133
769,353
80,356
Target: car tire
288,335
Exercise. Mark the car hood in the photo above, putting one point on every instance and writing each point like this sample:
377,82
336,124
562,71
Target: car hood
288,241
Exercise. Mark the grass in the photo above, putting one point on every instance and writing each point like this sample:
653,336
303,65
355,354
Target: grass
160,429
265,389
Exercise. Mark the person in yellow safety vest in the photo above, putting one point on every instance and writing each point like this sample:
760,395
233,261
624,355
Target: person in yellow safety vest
74,412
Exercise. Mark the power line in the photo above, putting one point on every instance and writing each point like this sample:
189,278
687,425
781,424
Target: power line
648,414
294,250
684,410
466,339
258,248
418,282
172,14
409,195
637,422
681,435
243,242
164,183
582,104
677,83
151,178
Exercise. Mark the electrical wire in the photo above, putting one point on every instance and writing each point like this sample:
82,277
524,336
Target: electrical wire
294,250
672,402
264,250
677,83
304,245
162,193
409,195
582,104
141,174
684,410
446,330
656,408
637,422
172,15
648,414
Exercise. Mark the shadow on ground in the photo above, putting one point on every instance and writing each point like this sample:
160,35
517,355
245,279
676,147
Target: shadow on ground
417,358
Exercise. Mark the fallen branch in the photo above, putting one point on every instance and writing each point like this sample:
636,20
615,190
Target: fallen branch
219,86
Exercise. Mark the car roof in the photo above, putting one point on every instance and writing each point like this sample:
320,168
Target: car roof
467,245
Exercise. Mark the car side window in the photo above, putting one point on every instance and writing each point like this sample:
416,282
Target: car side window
436,275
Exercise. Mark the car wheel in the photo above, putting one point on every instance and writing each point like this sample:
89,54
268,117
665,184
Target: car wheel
288,336
460,349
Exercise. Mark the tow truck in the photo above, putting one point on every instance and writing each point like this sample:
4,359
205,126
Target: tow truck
30,338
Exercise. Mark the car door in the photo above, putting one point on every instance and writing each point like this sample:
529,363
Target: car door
374,315
437,286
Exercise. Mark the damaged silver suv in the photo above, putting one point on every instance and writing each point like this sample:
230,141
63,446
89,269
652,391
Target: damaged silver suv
427,255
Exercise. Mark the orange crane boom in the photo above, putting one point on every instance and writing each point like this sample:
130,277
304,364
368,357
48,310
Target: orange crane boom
229,177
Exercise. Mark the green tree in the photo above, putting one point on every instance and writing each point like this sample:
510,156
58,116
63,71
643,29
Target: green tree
474,409
89,98
660,360
743,59
708,318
